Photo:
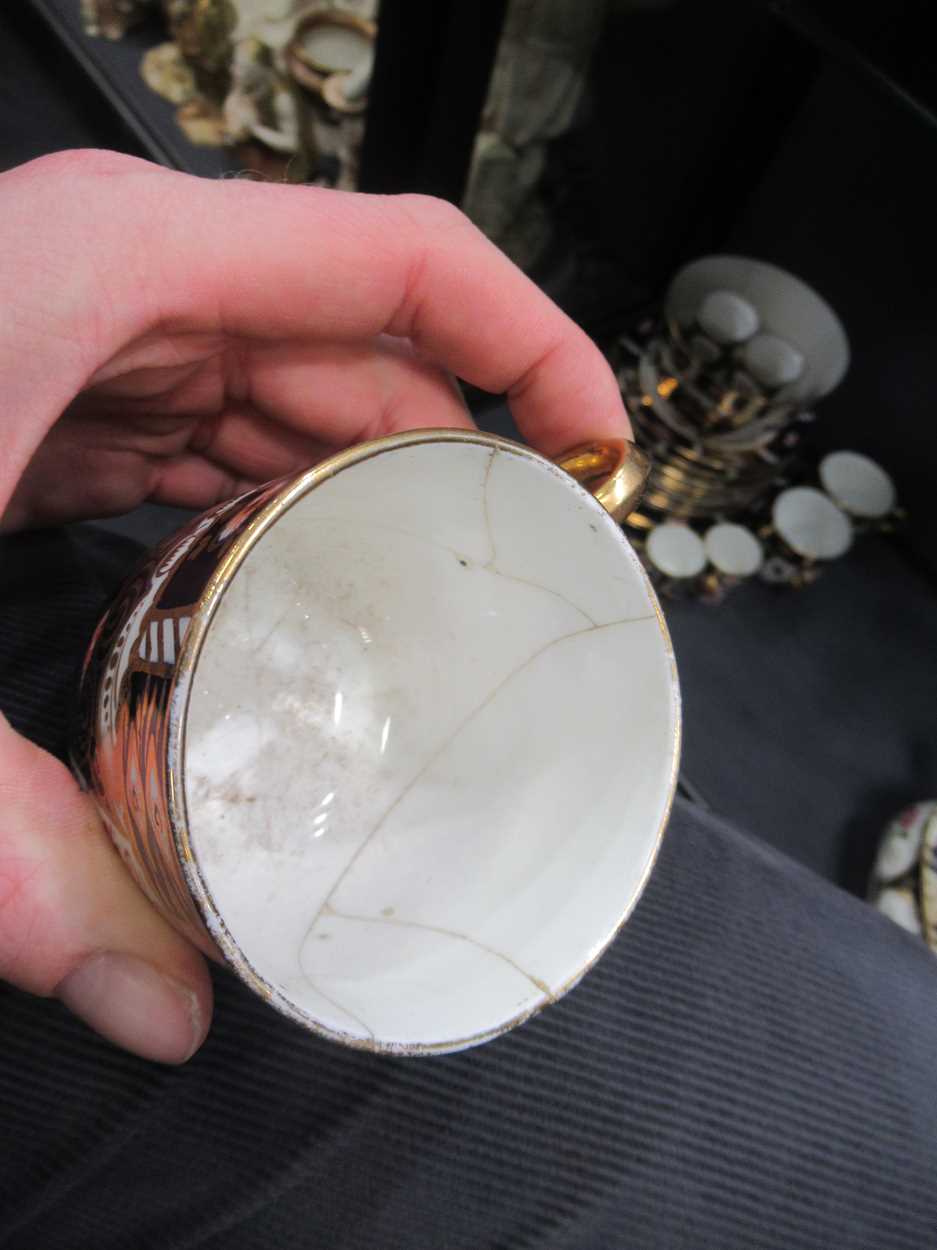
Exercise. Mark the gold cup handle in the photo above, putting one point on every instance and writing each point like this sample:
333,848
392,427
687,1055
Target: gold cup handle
614,470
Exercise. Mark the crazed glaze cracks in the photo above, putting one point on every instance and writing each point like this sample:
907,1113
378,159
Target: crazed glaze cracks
457,743
383,796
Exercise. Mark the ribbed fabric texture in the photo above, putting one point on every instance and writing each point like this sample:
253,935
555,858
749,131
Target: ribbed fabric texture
752,1065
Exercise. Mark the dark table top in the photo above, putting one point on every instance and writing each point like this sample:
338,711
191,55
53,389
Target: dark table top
810,716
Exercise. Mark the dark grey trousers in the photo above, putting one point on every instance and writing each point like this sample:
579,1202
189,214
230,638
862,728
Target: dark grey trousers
752,1065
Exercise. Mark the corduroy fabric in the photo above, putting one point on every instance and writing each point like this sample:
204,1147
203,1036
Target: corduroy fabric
750,1065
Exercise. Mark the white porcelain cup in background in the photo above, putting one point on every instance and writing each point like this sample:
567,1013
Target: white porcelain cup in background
733,550
859,485
810,525
676,558
397,737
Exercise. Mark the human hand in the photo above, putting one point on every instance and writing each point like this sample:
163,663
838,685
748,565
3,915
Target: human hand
168,338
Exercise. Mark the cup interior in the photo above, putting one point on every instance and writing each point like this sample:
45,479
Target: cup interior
430,745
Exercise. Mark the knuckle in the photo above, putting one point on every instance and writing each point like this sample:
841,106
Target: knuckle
431,211
82,164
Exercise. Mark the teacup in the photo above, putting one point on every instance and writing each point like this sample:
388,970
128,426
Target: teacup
735,554
398,736
676,559
861,488
806,530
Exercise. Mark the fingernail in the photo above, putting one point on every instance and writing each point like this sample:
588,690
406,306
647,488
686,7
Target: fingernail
131,1004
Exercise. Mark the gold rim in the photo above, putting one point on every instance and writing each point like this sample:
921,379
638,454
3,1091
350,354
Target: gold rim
613,470
312,74
178,704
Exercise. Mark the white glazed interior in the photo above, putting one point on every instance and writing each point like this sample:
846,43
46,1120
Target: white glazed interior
336,48
430,745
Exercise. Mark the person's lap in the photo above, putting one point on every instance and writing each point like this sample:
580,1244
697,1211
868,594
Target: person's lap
750,1065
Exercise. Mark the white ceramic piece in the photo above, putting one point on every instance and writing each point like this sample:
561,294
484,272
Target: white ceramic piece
811,524
727,318
900,847
771,361
676,550
358,80
786,307
733,550
337,48
899,906
430,746
928,885
857,484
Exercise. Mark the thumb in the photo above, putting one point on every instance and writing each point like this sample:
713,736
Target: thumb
73,923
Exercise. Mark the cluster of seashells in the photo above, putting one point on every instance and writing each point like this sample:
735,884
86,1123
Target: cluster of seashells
287,76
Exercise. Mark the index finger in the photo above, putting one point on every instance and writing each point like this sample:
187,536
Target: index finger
278,261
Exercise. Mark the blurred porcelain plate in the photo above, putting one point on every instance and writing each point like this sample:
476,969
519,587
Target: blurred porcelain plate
675,550
733,550
857,484
811,524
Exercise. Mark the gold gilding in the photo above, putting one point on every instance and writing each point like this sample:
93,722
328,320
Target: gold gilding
613,469
128,748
